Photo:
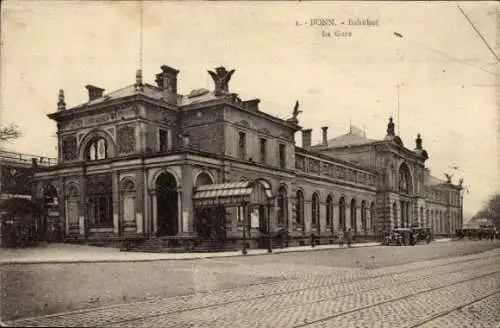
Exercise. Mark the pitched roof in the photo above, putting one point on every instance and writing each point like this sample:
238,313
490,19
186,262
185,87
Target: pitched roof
430,180
348,139
148,90
153,92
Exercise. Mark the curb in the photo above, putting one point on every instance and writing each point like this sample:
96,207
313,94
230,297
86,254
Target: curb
214,255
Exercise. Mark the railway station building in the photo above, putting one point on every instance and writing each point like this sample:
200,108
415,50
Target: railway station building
147,164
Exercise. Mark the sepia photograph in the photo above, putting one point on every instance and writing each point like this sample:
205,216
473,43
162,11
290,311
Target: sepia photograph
277,164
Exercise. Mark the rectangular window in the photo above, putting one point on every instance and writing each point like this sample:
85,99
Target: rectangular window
263,150
282,156
163,136
242,144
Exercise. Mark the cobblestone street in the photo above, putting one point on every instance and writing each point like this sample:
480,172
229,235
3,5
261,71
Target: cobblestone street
457,290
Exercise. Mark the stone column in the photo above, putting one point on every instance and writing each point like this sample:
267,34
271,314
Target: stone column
154,209
348,215
323,227
140,203
83,209
290,207
307,216
116,203
335,216
186,223
61,200
182,215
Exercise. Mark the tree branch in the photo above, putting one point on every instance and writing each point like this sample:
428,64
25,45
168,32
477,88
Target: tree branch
9,132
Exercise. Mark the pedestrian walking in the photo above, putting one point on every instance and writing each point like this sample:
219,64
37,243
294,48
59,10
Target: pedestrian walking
349,237
340,236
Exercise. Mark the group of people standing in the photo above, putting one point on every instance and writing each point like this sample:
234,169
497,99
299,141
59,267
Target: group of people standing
345,236
486,234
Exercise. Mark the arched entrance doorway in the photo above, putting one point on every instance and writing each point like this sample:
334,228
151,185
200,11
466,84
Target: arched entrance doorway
166,203
207,219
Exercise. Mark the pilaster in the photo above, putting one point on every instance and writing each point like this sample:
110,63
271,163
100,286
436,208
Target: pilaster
116,202
83,208
186,224
139,217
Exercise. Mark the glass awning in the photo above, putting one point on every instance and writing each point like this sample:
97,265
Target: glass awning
232,193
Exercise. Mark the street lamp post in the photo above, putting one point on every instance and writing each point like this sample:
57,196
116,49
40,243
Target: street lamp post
461,208
245,214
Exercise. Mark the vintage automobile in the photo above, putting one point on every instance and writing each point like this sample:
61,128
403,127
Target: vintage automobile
422,234
408,236
396,236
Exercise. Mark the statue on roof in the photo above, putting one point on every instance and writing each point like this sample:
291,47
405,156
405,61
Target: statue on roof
390,127
448,177
138,80
221,79
460,182
296,110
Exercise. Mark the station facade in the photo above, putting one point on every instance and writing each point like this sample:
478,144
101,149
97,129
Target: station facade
147,162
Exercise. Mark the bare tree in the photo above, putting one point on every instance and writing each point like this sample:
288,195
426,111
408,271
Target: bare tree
491,210
9,132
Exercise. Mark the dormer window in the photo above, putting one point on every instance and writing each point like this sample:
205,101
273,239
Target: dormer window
97,149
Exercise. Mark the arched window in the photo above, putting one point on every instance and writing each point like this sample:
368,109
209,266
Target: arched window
315,212
329,211
100,200
282,207
395,214
353,215
342,224
96,149
441,218
203,179
404,179
372,216
299,211
421,216
50,195
432,221
363,215
127,186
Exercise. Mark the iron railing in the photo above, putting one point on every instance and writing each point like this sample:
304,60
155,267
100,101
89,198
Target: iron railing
26,158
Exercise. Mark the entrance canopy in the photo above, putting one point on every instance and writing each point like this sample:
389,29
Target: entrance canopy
19,206
233,193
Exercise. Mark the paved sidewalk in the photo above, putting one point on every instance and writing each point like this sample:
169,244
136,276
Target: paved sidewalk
68,253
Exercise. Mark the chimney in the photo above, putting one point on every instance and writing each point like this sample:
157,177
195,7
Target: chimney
306,138
94,92
167,81
61,105
252,105
325,134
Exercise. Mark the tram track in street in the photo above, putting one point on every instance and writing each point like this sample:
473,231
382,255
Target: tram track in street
472,262
420,323
404,282
448,311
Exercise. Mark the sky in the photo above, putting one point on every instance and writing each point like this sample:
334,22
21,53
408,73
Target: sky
449,82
